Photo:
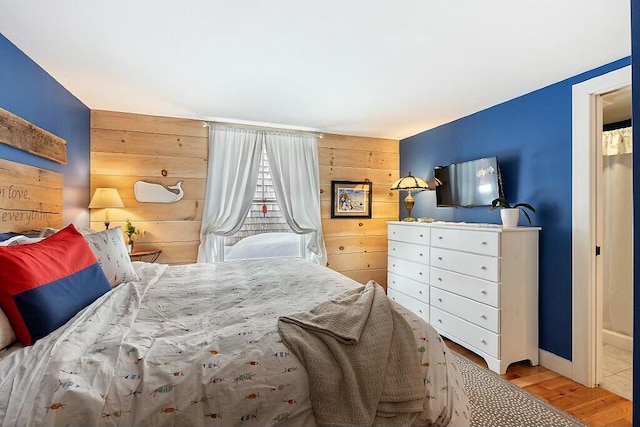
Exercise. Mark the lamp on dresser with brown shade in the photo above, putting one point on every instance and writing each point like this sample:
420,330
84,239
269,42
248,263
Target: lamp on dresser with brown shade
410,183
105,198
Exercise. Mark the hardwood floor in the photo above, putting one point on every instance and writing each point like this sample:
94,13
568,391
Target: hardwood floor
593,406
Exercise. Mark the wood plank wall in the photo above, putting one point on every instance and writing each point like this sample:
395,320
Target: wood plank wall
126,148
129,147
358,247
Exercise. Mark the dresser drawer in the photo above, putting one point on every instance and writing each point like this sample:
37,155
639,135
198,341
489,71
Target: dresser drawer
471,287
480,338
413,270
411,304
417,290
409,233
410,251
469,310
479,242
482,266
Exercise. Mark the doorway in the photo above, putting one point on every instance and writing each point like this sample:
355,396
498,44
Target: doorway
615,223
585,268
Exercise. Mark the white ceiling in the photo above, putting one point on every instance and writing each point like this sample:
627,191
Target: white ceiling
360,67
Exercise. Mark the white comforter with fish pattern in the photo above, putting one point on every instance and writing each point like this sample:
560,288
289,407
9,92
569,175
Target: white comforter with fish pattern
195,345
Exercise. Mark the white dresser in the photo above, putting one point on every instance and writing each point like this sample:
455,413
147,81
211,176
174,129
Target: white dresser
477,284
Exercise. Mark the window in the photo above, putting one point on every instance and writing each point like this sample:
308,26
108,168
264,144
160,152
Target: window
258,222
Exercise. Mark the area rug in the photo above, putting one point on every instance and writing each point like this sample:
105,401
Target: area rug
497,402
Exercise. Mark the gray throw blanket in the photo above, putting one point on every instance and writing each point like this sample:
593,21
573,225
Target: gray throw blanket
361,357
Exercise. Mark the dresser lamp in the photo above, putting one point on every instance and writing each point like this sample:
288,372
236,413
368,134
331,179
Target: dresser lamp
410,183
105,198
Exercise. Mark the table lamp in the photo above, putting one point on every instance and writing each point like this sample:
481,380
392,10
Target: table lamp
410,183
105,198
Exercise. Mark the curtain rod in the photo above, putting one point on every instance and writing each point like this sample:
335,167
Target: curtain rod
206,124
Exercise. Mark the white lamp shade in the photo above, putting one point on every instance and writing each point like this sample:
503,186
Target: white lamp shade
410,182
106,198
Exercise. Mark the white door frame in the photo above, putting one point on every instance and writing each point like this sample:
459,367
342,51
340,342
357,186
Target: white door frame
585,317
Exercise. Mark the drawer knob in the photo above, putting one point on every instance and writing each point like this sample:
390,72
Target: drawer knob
483,267
440,299
439,320
484,243
420,254
439,258
483,292
483,342
439,237
439,279
420,273
421,235
420,311
420,292
393,249
483,317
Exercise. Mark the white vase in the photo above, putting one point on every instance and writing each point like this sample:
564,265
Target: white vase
510,217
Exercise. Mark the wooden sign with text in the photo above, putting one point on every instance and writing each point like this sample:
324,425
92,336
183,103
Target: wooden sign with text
19,133
30,197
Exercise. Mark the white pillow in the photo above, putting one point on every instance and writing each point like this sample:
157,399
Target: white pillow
109,248
48,231
265,245
7,335
20,240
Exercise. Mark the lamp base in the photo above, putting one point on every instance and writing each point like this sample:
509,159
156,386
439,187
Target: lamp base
408,203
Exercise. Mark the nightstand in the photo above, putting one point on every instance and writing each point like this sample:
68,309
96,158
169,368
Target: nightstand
153,255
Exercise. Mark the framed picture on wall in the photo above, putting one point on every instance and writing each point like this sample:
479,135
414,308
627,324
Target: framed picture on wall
351,199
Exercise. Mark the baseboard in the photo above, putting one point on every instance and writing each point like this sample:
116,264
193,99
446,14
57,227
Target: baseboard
616,339
556,363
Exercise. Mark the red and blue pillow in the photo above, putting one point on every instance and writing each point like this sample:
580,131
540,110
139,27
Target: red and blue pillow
44,284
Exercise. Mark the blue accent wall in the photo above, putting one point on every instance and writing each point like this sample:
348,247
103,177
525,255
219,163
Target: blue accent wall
531,135
26,90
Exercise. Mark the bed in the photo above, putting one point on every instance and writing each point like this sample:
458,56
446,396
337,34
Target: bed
198,345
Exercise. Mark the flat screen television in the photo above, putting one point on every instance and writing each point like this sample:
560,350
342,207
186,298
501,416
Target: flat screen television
468,184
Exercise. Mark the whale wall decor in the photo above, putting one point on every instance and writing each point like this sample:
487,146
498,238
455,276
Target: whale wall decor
149,192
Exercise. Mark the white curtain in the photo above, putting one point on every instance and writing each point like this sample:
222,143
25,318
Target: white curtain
617,141
232,175
293,160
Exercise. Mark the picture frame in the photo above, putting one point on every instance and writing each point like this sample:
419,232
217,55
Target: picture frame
351,199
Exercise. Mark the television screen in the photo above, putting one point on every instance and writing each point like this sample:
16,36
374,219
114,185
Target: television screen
467,184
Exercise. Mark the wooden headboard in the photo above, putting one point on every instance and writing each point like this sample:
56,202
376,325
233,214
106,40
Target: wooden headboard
30,197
